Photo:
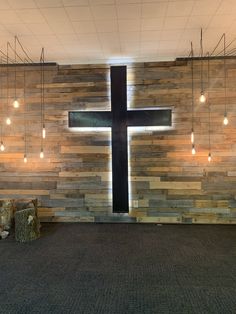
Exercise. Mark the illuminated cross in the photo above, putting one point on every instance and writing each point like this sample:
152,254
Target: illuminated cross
119,118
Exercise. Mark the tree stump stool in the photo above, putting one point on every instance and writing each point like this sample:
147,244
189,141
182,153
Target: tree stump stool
27,226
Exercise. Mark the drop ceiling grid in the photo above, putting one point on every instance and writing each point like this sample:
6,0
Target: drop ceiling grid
90,31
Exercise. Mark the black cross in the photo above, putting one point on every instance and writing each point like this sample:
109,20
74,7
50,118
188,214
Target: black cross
119,119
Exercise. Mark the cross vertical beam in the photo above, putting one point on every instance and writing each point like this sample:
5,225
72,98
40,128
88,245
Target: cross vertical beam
119,139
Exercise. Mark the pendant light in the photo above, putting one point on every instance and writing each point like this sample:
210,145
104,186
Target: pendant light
43,135
25,111
192,130
8,119
209,109
202,97
225,121
16,103
2,147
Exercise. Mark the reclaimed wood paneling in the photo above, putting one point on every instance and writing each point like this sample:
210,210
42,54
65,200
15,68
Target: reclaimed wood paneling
167,184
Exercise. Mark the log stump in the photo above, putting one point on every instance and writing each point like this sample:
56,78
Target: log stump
27,226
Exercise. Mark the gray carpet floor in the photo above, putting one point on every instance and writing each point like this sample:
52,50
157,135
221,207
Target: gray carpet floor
120,269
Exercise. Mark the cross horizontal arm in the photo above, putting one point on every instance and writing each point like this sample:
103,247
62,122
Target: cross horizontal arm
150,117
90,119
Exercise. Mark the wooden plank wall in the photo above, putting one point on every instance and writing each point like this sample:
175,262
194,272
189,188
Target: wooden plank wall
167,183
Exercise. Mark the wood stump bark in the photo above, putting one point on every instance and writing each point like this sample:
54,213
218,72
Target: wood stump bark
27,226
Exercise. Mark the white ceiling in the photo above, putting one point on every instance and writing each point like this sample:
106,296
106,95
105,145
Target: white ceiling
98,31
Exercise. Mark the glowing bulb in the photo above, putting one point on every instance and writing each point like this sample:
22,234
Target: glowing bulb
192,137
16,104
226,121
41,154
202,98
8,121
2,147
44,132
193,150
25,159
209,157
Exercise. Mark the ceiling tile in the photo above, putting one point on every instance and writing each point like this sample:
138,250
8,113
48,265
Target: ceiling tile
79,13
199,21
129,1
129,11
49,4
4,5
150,35
226,7
84,27
22,4
104,12
224,21
88,39
40,29
152,24
131,25
104,26
54,14
48,39
203,7
99,2
61,28
171,34
9,17
179,8
18,29
67,39
75,3
30,16
154,10
130,37
175,22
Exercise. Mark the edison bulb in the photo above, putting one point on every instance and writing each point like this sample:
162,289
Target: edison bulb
202,98
16,104
192,137
25,159
193,150
8,121
44,132
2,147
209,157
226,121
41,154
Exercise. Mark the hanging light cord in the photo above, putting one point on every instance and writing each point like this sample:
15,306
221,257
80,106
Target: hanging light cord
1,100
15,68
201,51
192,56
25,109
209,104
7,75
225,75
